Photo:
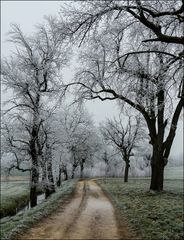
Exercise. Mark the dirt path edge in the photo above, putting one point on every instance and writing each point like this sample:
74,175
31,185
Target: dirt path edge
124,227
15,234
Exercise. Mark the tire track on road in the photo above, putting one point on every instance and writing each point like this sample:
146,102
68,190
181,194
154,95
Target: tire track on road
89,215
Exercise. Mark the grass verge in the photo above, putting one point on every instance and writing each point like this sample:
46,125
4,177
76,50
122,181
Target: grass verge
154,216
13,196
9,205
11,227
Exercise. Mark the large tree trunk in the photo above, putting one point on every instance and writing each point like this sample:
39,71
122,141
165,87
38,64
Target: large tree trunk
34,182
127,165
35,167
157,178
44,174
157,169
34,153
50,187
33,196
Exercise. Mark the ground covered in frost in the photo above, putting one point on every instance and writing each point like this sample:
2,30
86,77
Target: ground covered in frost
151,215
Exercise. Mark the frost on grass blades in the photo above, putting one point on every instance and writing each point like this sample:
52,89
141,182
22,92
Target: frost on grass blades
15,197
152,216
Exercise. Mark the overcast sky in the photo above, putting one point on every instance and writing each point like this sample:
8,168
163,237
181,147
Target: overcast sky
27,14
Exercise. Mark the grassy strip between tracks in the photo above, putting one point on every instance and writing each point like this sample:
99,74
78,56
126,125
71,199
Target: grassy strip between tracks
154,216
11,227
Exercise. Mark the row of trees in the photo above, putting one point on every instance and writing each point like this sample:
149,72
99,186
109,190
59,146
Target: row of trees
67,141
32,75
140,68
33,132
133,53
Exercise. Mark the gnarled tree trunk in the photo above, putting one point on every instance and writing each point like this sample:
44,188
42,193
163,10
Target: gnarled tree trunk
157,169
127,166
34,184
161,150
35,167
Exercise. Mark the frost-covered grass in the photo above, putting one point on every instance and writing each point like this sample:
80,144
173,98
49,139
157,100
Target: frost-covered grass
13,195
173,172
12,226
152,215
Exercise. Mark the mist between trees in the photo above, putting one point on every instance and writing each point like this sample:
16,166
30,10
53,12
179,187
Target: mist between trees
127,51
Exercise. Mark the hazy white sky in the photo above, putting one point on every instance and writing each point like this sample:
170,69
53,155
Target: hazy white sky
27,14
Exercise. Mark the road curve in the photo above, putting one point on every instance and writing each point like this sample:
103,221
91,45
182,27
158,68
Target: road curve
89,215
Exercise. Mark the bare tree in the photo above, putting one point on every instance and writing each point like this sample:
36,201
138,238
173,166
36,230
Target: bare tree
32,74
78,136
124,138
147,82
112,158
159,23
163,19
50,144
15,145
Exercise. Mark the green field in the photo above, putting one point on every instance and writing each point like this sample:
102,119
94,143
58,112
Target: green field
151,215
13,195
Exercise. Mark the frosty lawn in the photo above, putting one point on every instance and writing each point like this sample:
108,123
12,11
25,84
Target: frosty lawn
10,226
174,172
152,216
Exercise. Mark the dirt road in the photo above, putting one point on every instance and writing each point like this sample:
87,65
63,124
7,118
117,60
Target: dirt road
89,215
